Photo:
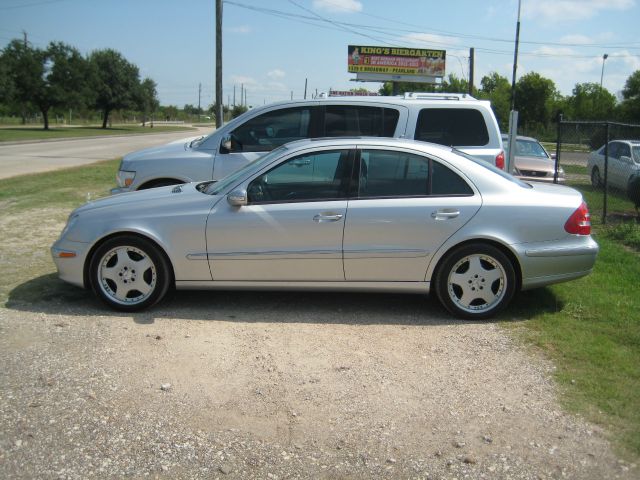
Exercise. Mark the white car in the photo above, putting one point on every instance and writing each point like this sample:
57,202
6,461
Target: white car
623,164
454,120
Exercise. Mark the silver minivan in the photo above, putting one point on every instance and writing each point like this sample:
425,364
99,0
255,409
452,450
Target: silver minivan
455,120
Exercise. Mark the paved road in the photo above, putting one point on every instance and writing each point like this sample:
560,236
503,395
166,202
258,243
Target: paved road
20,159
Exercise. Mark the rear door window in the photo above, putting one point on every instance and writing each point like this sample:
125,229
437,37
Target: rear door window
386,174
456,127
357,121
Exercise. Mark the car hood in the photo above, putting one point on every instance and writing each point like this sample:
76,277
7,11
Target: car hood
534,163
168,150
152,198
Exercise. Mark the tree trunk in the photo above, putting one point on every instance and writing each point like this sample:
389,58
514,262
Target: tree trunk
45,118
106,118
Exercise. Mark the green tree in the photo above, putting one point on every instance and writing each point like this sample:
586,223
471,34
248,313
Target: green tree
147,99
24,67
497,89
536,97
590,102
115,82
631,94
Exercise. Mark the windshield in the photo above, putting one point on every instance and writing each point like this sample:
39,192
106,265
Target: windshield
250,168
526,148
493,169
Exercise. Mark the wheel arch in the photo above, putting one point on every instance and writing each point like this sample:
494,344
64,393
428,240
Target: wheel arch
158,182
485,241
86,280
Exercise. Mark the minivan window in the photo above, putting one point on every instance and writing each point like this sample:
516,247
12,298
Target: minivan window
356,121
459,127
272,129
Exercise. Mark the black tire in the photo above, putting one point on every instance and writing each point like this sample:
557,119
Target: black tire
596,180
475,281
129,273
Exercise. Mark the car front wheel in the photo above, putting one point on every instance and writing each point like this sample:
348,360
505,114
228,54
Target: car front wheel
475,281
129,273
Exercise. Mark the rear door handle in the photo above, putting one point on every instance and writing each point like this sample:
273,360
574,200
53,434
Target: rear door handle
445,214
327,217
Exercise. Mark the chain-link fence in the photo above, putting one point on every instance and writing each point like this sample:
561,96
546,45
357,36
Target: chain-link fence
602,160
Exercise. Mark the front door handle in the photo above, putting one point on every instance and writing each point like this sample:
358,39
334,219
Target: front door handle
445,214
327,217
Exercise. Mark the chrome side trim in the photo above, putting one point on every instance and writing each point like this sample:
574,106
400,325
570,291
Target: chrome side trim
197,256
562,251
390,287
386,253
274,254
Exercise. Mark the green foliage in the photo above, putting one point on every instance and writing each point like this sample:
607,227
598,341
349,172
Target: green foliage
147,98
497,89
535,97
630,108
590,102
114,80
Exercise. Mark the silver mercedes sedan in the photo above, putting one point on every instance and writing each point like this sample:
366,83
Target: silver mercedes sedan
366,214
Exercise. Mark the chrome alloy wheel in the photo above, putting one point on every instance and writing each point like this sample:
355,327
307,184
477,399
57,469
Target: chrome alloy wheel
477,283
127,275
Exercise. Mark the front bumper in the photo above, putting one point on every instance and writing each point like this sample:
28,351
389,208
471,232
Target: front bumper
70,268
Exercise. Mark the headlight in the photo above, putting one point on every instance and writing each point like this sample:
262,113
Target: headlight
125,178
73,218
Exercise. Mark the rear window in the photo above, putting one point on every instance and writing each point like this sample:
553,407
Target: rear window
358,121
457,127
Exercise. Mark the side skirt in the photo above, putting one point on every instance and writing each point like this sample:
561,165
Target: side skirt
389,287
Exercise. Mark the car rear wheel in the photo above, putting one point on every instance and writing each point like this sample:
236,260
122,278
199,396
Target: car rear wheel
129,273
475,281
596,182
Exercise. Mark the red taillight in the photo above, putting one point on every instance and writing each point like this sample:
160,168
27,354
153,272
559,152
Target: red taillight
500,160
579,222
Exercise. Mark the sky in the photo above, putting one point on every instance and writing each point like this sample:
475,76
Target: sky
271,47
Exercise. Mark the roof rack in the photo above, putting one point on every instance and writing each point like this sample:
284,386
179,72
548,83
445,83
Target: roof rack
437,96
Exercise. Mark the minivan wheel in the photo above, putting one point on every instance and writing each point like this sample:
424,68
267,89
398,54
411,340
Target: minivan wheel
595,178
475,281
129,273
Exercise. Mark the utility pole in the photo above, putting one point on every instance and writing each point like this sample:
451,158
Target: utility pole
513,115
234,94
24,36
242,94
472,55
219,108
305,88
199,96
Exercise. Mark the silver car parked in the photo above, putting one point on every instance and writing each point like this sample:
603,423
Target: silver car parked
335,214
623,164
532,163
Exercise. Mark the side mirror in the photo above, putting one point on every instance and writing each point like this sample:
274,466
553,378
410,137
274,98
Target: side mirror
553,156
226,144
237,198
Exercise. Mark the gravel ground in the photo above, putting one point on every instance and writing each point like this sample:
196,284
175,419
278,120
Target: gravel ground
275,385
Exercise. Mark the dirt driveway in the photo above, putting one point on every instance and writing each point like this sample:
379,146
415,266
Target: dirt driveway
270,385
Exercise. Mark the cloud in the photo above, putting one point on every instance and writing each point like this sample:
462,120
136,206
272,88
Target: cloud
242,29
276,74
572,10
428,39
338,6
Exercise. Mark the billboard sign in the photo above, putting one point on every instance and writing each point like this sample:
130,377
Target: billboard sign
396,61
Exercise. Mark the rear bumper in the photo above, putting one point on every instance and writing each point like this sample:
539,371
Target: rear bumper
544,265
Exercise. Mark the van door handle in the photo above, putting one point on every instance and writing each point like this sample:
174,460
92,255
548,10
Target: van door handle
327,217
445,214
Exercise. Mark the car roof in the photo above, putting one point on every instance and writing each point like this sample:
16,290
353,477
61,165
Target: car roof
632,142
368,142
521,137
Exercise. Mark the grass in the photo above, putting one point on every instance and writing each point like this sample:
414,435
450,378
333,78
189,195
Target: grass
38,133
65,188
590,328
575,169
